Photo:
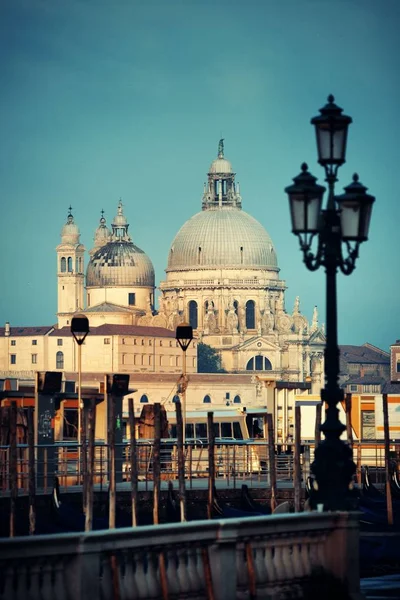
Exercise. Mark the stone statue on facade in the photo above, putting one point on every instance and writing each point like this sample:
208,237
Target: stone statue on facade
232,321
314,323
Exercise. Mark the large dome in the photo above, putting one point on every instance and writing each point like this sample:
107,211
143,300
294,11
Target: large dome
120,263
222,237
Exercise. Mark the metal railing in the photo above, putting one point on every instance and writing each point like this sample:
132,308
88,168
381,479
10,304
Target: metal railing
235,462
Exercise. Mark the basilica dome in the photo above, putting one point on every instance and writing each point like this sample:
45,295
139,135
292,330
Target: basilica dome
222,237
222,234
119,262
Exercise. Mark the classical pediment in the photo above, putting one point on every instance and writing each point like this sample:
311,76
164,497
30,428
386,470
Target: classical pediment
257,344
317,337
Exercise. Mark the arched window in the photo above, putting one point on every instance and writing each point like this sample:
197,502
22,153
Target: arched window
76,265
144,398
193,314
207,399
236,306
250,315
237,400
176,398
59,360
69,264
259,363
63,264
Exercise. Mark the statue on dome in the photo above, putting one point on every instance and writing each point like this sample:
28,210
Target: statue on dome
296,307
221,148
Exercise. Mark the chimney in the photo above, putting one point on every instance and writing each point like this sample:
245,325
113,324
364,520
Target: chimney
7,329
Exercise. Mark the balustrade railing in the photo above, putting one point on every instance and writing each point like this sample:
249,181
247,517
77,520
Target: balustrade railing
263,557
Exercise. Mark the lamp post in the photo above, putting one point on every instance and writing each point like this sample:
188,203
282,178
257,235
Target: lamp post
344,222
184,335
80,329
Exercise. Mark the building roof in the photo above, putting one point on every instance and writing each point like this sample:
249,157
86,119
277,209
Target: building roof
27,331
194,378
137,330
365,354
365,380
392,387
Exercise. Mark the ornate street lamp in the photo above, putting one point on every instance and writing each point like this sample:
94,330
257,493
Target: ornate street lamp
344,221
184,335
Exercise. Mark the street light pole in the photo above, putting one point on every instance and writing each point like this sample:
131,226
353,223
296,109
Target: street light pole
344,221
80,329
184,335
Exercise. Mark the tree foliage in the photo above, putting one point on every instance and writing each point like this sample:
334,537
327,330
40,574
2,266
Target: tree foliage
208,359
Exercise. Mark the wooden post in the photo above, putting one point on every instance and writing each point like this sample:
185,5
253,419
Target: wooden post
12,467
359,457
271,461
387,460
207,574
134,469
349,430
112,498
317,431
211,463
156,464
84,450
297,466
32,473
251,571
91,426
181,460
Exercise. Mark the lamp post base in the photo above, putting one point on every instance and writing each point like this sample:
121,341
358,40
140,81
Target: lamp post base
333,468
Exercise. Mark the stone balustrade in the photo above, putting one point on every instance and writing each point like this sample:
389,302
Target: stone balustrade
264,557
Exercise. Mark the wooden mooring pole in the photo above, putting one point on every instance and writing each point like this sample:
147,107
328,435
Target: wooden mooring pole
112,496
134,468
31,472
211,463
12,467
156,463
271,462
349,430
181,460
91,428
84,450
297,466
389,504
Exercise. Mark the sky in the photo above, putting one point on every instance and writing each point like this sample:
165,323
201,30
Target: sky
104,99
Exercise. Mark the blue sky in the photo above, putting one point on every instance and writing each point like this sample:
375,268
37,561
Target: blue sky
107,99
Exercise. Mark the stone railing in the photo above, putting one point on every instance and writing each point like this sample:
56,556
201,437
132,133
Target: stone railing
264,557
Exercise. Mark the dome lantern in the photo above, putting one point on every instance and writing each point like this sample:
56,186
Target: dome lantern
220,190
70,232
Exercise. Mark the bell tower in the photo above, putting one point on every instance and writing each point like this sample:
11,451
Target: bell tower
70,272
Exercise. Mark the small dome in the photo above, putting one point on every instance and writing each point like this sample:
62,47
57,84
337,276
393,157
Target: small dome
221,165
120,263
70,231
218,237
